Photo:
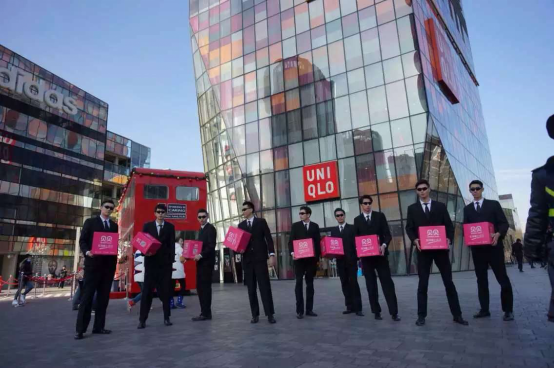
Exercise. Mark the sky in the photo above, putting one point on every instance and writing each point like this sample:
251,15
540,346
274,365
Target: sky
137,57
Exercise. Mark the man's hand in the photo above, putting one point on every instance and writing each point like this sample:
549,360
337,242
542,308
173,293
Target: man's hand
197,257
416,242
89,254
182,259
271,261
383,249
449,243
495,238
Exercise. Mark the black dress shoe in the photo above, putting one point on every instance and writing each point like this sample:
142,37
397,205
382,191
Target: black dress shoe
482,314
79,336
167,322
271,319
311,313
508,317
347,312
420,321
396,318
378,316
299,316
458,319
200,318
101,331
141,325
359,313
255,319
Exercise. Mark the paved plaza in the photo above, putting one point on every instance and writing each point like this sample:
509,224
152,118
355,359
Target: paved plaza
41,333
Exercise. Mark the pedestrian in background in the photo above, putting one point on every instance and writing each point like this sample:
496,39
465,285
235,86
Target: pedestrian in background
63,275
517,252
178,275
25,272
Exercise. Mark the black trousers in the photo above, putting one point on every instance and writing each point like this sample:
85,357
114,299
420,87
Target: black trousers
182,287
158,277
305,269
204,287
256,273
494,256
551,275
381,265
99,274
519,259
425,262
348,274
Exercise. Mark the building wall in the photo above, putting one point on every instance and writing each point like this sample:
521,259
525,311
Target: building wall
284,84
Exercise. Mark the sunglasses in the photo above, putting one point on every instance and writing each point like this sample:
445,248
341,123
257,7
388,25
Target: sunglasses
302,213
339,215
245,209
421,189
201,217
473,189
160,212
108,207
366,203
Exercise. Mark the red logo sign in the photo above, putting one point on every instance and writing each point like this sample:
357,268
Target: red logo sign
321,181
441,60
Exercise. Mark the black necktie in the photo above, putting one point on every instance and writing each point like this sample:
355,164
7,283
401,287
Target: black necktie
249,224
368,220
306,226
159,229
427,210
340,229
106,225
477,207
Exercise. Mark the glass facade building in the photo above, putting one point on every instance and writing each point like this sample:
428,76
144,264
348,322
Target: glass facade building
282,84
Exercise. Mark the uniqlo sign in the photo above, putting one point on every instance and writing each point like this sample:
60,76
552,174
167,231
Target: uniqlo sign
321,181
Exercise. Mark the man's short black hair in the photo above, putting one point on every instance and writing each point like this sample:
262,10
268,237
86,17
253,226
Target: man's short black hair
339,209
161,207
250,205
518,240
422,181
202,211
363,197
306,209
476,181
107,201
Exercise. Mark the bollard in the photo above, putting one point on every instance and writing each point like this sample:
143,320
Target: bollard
72,286
9,285
44,286
126,287
36,276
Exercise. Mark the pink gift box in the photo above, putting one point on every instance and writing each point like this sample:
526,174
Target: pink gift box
368,246
331,247
146,244
476,234
105,243
303,248
433,238
191,249
237,239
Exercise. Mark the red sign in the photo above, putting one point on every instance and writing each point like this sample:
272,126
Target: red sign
321,181
441,60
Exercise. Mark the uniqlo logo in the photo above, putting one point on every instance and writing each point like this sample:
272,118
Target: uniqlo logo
321,181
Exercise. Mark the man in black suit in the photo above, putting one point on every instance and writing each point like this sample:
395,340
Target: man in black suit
517,251
158,267
348,265
371,222
259,249
484,210
205,262
305,267
432,213
99,273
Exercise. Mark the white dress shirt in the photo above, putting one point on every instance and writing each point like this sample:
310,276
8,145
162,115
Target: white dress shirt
423,205
480,202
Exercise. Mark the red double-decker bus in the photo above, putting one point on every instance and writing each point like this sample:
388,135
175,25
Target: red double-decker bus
184,193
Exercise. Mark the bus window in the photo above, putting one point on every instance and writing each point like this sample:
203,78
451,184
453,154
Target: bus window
187,193
155,192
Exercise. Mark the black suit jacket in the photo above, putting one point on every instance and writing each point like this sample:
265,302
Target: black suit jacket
437,216
348,241
379,226
260,244
165,256
298,232
208,236
517,249
92,225
491,212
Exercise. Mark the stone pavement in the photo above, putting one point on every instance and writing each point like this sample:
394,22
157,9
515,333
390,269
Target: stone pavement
41,333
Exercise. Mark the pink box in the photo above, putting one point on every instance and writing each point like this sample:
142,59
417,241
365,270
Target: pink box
303,248
433,238
191,249
368,246
105,243
237,239
331,247
146,244
476,234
